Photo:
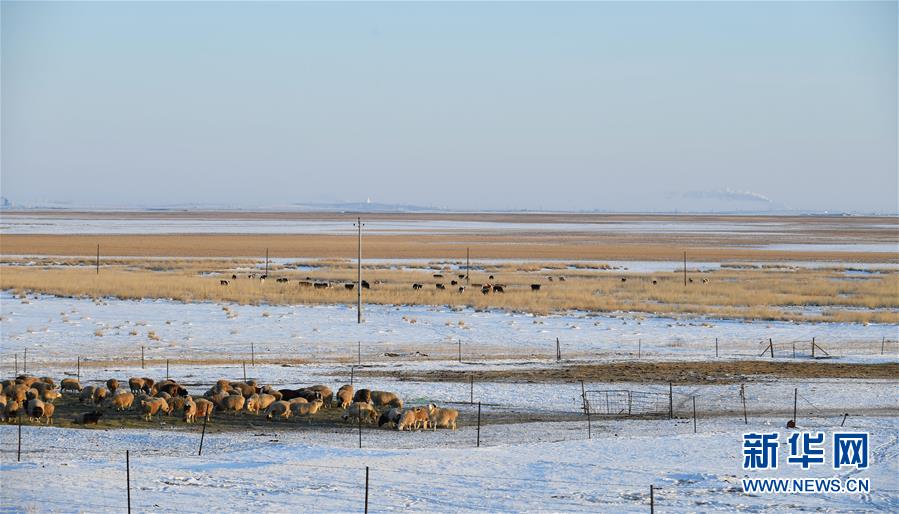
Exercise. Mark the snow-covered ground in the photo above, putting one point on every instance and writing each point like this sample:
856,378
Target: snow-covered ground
55,329
526,467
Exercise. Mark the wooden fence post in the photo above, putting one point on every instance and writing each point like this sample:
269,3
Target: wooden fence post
460,350
166,369
360,430
352,372
252,355
583,398
203,435
471,383
743,397
558,351
716,347
366,489
78,371
795,400
844,419
589,423
359,353
652,500
771,347
19,451
141,356
244,371
813,347
25,361
639,348
479,424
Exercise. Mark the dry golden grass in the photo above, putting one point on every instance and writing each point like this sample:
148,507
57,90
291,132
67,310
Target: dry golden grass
774,294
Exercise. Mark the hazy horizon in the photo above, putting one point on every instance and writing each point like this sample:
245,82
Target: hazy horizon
616,107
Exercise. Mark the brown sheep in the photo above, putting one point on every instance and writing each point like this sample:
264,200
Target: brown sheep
49,409
345,396
112,384
232,403
19,393
390,416
360,411
100,394
245,389
87,394
421,417
190,410
122,401
305,409
362,395
177,403
279,409
87,418
259,402
136,384
386,399
50,395
13,408
442,417
204,408
152,406
49,381
406,421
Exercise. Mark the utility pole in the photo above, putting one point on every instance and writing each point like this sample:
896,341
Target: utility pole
468,266
266,262
98,259
359,272
685,269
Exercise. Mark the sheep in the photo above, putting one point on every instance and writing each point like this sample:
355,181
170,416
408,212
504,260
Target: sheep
137,384
31,394
122,401
70,384
87,418
362,395
345,395
232,403
204,408
152,406
421,417
13,408
327,396
386,399
148,384
190,410
50,395
19,393
27,380
112,384
306,393
35,409
407,420
259,402
390,416
442,417
49,409
177,403
245,389
280,409
87,394
163,394
173,389
360,411
49,381
100,394
305,409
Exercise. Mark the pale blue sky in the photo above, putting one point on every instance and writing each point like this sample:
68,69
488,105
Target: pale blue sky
612,106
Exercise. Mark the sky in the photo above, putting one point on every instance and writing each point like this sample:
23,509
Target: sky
638,106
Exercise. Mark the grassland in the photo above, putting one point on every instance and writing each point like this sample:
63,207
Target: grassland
740,292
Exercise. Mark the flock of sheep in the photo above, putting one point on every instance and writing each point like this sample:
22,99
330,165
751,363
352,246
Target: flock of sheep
34,397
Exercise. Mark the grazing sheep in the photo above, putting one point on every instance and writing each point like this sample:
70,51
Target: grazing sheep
461,289
386,398
177,403
49,381
152,406
12,409
390,416
18,392
327,396
27,380
416,286
32,393
190,410
70,384
148,384
49,409
363,396
461,275
135,384
223,282
440,286
50,395
173,389
406,421
421,417
35,409
163,394
366,285
454,283
112,384
278,409
498,289
232,403
305,409
204,408
360,411
100,394
349,286
442,417
122,401
485,289
259,402
245,389
87,394
345,395
535,287
623,279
